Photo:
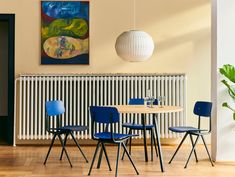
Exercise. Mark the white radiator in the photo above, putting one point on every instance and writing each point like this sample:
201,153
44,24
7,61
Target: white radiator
79,91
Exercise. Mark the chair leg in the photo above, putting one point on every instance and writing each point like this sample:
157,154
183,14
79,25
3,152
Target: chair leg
106,155
128,155
117,160
62,144
123,154
65,141
93,160
158,142
49,150
143,119
194,145
100,158
195,154
151,132
155,145
79,147
207,150
178,147
130,145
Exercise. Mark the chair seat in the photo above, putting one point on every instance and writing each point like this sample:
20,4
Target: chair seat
117,136
137,126
74,128
183,129
57,130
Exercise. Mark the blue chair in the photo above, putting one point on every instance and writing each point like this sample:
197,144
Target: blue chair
203,110
133,126
108,116
54,110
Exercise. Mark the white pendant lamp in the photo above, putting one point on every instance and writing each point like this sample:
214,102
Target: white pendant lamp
134,45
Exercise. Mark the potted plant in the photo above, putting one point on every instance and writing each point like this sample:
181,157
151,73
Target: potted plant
229,72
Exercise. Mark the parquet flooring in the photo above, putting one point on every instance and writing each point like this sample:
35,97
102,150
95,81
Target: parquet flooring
27,161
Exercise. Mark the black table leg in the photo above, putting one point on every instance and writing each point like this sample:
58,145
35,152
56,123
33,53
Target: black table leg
158,142
144,132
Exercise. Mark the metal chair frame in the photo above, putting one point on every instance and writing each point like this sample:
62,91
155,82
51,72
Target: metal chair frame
55,117
101,142
198,132
140,101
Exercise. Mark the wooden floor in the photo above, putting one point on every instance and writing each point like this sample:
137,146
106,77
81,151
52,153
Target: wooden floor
24,161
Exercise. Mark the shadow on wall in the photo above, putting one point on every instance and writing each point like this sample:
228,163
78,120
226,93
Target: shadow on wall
177,40
171,23
160,18
173,45
162,10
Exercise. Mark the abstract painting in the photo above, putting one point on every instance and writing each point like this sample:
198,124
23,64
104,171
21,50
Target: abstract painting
64,32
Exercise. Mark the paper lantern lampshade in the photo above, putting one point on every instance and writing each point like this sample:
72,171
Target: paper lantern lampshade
134,46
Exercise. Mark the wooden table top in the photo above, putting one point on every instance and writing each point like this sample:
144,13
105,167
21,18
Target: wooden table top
144,109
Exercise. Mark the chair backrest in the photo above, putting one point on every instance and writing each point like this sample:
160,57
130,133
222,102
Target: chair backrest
203,110
104,114
136,101
140,101
54,108
53,111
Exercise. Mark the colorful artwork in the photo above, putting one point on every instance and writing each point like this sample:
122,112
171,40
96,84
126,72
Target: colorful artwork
65,32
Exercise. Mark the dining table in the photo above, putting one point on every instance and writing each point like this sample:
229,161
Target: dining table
150,109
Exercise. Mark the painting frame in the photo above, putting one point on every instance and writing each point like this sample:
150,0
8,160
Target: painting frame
65,32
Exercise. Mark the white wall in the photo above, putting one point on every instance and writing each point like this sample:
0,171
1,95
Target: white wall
223,52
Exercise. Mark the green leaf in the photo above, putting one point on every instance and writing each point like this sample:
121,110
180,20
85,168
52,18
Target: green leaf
225,104
228,71
231,90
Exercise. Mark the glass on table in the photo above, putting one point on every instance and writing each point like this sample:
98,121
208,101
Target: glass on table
148,93
161,100
147,96
149,101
